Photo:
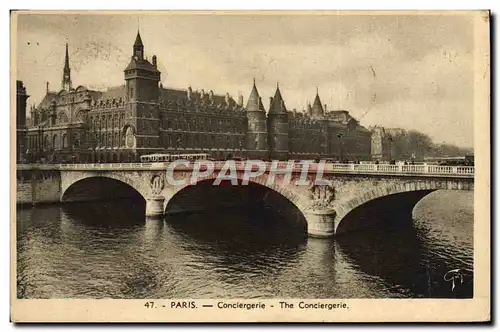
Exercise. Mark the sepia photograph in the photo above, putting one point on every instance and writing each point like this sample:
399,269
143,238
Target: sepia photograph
273,166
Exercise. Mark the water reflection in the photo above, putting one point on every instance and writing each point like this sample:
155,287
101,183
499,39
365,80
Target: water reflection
400,258
95,250
249,241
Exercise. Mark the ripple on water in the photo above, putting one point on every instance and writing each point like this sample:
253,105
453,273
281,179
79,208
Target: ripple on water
71,253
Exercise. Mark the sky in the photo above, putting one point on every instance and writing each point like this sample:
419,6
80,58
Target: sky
411,72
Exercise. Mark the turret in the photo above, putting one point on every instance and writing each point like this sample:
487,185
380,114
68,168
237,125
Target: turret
138,49
256,136
317,108
277,127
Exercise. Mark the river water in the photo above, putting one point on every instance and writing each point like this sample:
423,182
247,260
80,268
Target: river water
108,250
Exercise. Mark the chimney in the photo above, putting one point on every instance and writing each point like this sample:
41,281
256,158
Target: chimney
47,87
240,100
154,60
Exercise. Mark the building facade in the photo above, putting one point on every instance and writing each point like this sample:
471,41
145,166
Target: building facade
381,144
21,129
142,117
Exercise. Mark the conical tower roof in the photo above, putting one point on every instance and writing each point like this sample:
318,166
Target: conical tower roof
317,108
253,103
277,104
138,40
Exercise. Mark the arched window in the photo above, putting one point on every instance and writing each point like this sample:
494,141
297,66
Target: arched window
55,144
64,141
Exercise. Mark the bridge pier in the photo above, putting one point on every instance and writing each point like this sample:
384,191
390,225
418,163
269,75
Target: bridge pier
154,206
320,222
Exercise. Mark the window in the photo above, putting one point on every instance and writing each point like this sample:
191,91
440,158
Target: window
65,141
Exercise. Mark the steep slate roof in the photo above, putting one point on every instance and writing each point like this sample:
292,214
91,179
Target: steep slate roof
141,64
169,94
277,105
254,102
317,108
47,100
138,40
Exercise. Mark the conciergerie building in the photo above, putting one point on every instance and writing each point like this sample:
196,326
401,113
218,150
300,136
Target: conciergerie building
142,117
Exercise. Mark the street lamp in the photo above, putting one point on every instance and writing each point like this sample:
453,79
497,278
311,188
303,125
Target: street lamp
40,141
389,139
341,137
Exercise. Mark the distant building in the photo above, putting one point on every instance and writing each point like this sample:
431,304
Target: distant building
142,117
381,144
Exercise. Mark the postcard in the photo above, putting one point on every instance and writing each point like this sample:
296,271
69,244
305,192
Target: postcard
250,166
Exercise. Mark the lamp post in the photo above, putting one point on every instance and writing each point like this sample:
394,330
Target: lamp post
389,139
341,137
40,141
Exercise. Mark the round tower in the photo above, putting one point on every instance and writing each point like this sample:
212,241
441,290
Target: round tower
256,136
277,127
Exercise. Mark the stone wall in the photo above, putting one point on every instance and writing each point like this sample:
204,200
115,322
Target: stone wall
38,186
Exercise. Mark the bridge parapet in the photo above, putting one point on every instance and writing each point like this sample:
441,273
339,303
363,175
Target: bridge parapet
324,204
383,169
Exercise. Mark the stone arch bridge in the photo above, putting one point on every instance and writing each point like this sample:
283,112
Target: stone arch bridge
390,189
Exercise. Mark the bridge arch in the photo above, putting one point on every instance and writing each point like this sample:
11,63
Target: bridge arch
257,191
81,187
390,201
297,200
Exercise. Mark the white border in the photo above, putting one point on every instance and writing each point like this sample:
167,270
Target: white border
154,4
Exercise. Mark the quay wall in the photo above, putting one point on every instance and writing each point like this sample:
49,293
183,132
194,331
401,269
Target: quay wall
38,186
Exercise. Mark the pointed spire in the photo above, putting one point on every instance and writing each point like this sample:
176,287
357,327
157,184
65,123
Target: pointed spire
277,94
253,99
138,40
277,103
317,108
66,59
66,81
138,52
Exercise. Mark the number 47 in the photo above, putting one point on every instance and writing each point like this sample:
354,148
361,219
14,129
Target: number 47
150,304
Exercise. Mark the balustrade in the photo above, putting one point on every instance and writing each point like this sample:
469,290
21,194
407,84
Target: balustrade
240,165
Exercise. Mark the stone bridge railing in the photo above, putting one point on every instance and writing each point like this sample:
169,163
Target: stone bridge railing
402,170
